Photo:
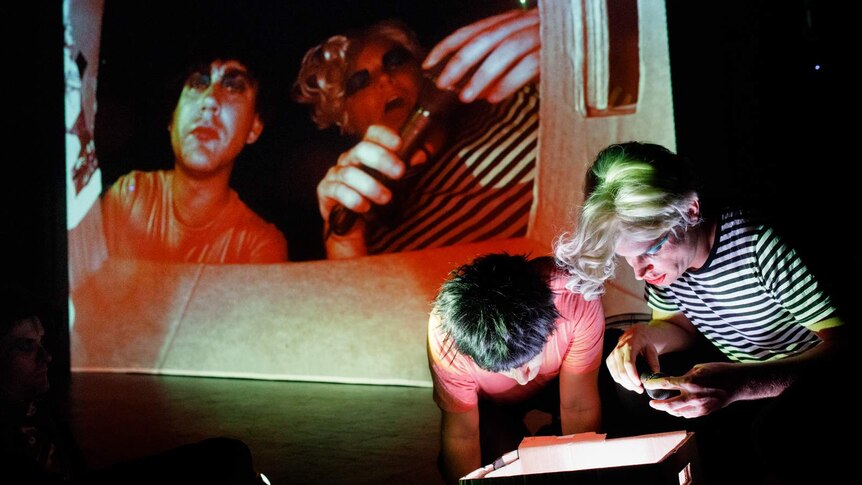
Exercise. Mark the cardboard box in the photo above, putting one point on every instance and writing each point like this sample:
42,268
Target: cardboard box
588,458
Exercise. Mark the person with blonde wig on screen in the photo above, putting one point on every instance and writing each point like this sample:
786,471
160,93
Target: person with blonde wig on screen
471,177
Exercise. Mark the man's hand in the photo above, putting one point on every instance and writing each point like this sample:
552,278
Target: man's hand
708,387
506,48
621,362
665,333
347,184
703,389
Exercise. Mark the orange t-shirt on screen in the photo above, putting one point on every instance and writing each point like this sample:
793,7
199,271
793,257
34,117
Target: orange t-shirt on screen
140,222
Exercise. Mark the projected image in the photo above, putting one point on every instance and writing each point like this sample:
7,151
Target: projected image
212,153
188,182
228,134
464,172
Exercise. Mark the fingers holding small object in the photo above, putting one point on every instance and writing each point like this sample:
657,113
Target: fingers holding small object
618,362
351,187
680,406
375,156
356,187
657,386
631,372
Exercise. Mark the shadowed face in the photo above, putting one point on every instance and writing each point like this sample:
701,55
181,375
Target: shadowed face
24,361
215,118
382,87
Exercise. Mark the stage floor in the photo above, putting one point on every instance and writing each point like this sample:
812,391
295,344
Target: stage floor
297,432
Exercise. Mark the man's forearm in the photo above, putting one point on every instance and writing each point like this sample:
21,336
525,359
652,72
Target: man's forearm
580,404
769,379
580,420
460,457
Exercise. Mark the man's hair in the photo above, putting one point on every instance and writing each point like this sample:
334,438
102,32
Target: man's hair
17,306
498,309
321,78
255,65
640,190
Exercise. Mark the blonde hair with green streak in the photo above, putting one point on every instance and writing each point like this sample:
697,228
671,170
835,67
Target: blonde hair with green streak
639,190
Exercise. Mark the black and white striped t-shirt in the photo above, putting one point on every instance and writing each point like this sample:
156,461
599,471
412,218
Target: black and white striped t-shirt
479,188
753,299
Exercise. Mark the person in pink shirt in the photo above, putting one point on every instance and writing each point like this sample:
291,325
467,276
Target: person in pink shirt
506,337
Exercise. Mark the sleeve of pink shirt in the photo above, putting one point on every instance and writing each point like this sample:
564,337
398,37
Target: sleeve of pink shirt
588,321
455,389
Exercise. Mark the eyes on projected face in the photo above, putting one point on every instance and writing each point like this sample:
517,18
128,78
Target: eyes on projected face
382,87
393,60
233,81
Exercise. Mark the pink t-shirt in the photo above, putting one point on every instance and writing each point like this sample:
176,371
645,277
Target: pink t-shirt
576,344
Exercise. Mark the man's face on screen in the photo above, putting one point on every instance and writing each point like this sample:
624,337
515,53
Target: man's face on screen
215,117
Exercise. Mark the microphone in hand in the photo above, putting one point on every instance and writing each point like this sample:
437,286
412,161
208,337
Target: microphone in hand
433,105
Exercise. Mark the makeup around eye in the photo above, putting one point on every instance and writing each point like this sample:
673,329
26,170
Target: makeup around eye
198,81
655,248
234,81
395,58
357,81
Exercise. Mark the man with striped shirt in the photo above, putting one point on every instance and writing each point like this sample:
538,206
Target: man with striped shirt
718,275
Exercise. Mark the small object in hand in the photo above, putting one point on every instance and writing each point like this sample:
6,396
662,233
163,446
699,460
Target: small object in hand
657,393
645,373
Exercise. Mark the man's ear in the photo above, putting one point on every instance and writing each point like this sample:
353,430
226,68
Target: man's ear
694,208
256,130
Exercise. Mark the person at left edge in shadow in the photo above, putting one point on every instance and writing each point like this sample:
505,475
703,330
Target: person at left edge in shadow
191,214
38,447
